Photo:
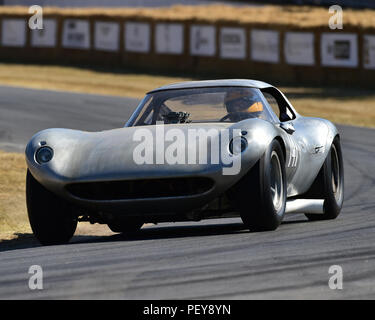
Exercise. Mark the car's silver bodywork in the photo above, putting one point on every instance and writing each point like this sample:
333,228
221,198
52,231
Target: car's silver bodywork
89,157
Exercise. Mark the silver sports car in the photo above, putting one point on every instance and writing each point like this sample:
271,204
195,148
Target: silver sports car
190,151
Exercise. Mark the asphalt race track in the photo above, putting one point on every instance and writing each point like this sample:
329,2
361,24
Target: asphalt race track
24,112
211,259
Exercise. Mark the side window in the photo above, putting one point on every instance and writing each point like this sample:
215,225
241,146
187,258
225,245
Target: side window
273,103
279,106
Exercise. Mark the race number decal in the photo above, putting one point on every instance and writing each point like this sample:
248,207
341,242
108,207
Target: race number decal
293,158
293,154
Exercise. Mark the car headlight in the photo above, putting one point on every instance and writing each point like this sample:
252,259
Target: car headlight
44,155
237,145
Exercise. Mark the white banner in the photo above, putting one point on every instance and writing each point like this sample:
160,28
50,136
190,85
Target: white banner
76,34
339,49
233,43
265,46
107,36
369,51
45,37
299,48
169,38
13,33
202,40
137,37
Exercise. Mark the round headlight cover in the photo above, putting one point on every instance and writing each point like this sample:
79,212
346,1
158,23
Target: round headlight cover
237,145
44,155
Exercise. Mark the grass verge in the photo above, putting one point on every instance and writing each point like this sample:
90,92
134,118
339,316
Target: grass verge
81,79
14,224
13,216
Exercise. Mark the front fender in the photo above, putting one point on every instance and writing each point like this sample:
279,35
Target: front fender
259,134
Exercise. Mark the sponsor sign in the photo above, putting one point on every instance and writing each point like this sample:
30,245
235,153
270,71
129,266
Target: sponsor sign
339,50
233,43
169,38
107,36
299,48
265,46
202,40
45,37
76,34
369,52
13,33
137,37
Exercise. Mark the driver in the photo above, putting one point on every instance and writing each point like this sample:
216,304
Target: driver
243,104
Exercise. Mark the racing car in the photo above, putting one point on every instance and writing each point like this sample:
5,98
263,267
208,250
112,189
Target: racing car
190,151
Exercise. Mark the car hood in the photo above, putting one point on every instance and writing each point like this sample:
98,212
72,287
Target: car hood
109,155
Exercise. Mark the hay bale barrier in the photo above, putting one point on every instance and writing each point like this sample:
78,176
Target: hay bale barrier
280,44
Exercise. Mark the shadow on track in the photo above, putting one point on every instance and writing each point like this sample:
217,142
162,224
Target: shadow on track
170,232
27,240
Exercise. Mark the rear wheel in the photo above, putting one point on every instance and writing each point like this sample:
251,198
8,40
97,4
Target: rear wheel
51,218
329,184
261,194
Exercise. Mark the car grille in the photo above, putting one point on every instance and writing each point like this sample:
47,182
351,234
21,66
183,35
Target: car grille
140,189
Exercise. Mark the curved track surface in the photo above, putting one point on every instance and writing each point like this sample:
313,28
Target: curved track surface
209,259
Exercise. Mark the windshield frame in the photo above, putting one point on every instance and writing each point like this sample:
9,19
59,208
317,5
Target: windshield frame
142,105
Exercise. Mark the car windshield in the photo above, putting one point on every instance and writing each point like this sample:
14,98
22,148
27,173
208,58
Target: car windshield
213,104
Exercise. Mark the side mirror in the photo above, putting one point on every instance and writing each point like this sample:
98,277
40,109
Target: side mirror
288,127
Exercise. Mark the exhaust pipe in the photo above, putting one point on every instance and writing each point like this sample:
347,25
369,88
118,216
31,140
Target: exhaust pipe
313,206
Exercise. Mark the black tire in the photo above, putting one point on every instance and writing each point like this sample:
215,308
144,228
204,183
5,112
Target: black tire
125,225
51,218
329,184
260,210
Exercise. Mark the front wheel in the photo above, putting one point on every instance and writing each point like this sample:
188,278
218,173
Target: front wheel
51,218
261,194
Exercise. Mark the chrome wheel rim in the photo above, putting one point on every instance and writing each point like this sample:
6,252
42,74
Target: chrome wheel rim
335,173
276,181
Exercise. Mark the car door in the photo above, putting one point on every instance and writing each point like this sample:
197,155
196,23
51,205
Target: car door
305,136
290,126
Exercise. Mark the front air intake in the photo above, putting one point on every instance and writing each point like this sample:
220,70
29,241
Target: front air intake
140,189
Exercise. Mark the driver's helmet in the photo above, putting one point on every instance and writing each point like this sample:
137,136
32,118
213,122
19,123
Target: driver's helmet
243,103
